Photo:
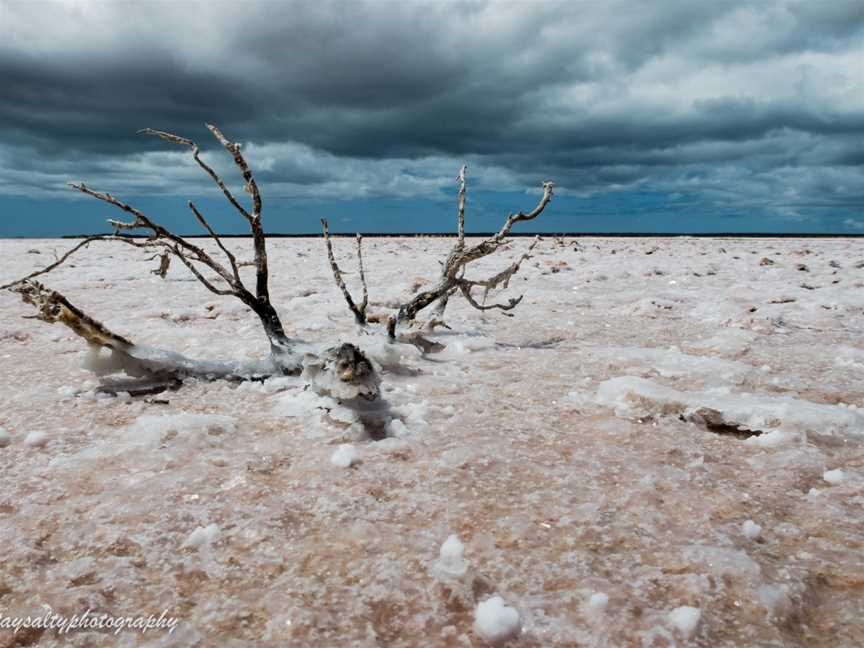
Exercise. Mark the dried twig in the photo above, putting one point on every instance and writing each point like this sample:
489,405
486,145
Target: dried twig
358,311
460,242
164,264
60,261
138,243
180,246
231,258
502,278
365,301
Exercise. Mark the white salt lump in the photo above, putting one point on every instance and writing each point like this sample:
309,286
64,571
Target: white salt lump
685,619
36,439
451,561
345,456
202,536
598,601
494,620
751,530
834,477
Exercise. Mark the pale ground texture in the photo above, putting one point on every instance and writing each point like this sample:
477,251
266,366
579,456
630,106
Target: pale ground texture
557,446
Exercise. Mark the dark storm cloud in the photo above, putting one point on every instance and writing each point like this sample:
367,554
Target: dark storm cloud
732,98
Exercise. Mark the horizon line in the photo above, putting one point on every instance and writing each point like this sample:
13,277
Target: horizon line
483,234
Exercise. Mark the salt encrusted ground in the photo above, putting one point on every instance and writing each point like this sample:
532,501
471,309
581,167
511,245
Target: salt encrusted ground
550,444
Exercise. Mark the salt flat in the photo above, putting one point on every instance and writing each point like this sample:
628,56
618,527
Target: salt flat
663,447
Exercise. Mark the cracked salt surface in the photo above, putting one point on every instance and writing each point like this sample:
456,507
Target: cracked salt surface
538,485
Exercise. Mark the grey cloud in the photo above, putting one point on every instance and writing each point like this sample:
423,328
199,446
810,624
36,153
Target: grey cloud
600,96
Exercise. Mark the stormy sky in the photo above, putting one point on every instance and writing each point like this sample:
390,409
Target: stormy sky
649,116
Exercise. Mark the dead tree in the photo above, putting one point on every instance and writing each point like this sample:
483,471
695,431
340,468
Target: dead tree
341,371
335,369
453,269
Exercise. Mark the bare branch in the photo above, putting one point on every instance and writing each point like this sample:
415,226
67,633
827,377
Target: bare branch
56,264
176,139
460,241
209,286
491,244
365,301
251,187
118,225
432,324
164,264
505,275
465,287
254,219
443,301
261,285
459,246
453,270
358,311
171,137
141,244
548,186
141,220
151,364
231,259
